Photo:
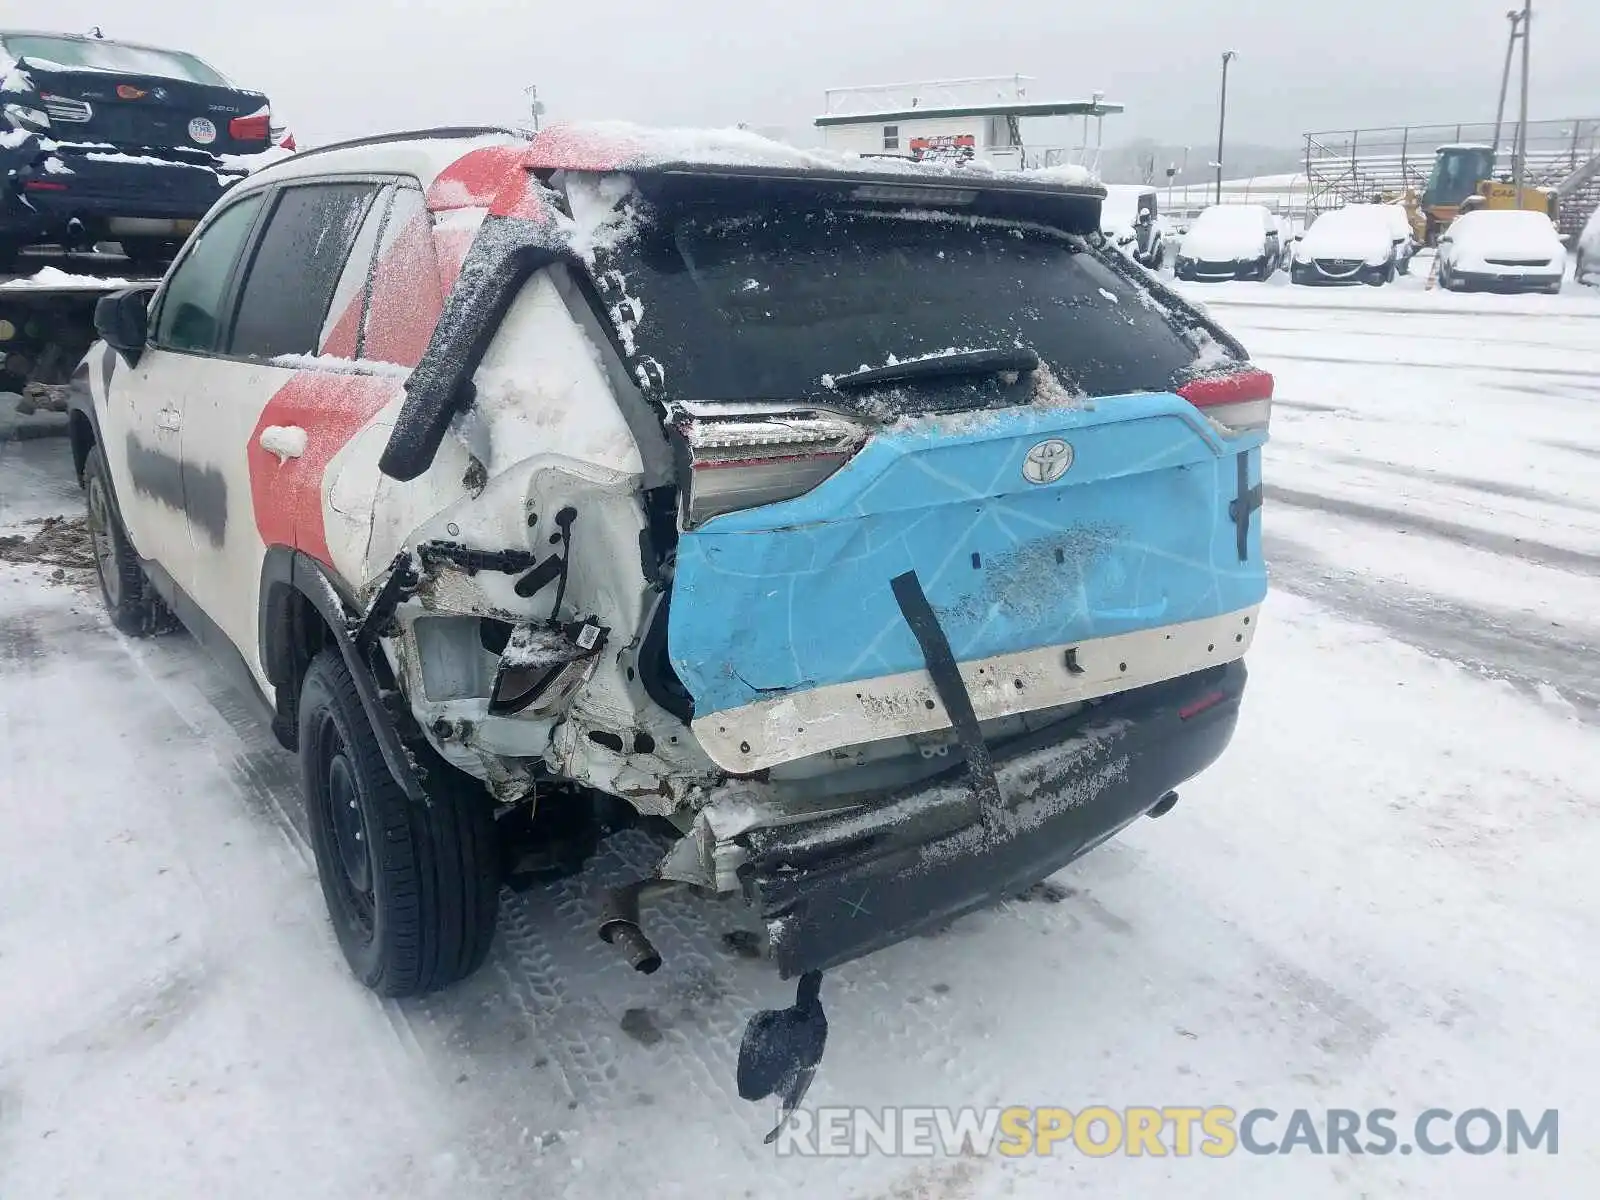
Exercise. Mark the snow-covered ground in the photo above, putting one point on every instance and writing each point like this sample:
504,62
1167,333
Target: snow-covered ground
1381,897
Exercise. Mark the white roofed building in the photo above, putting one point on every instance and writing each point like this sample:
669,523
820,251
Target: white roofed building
958,119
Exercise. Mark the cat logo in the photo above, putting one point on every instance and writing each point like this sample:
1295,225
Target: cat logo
126,91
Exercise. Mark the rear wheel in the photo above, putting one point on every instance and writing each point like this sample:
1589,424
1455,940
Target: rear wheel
151,255
412,888
131,601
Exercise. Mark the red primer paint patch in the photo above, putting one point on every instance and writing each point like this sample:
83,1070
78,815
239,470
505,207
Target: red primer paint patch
287,494
406,297
476,178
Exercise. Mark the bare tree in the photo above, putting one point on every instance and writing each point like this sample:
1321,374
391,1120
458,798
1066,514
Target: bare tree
1147,167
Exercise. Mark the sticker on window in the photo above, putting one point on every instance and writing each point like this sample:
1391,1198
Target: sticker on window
202,131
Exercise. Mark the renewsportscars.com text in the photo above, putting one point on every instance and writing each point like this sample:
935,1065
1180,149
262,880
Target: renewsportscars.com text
1217,1131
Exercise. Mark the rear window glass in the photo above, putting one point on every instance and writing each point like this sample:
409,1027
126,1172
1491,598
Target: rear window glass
734,305
96,55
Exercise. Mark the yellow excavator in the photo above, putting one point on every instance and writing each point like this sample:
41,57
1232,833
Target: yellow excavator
1463,179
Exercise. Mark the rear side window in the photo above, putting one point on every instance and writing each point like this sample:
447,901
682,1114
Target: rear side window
742,305
405,298
296,265
341,329
191,304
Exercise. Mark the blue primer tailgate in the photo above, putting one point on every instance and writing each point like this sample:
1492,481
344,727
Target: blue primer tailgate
1136,535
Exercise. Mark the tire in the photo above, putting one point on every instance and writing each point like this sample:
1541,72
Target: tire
151,255
131,601
424,916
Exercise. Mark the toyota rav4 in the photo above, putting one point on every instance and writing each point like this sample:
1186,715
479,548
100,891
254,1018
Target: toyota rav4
869,529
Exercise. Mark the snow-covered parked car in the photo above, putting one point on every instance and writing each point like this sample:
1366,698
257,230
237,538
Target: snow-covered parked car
1586,267
1231,241
1354,244
108,141
1129,221
1509,250
535,485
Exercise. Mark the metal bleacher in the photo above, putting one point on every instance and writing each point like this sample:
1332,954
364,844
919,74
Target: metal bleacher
1353,165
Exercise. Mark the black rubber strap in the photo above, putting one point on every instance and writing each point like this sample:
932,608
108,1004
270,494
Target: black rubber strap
1248,501
952,689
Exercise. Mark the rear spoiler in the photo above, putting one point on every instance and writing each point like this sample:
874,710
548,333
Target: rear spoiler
1071,208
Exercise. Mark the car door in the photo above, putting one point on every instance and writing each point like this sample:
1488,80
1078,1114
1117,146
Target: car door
253,437
141,427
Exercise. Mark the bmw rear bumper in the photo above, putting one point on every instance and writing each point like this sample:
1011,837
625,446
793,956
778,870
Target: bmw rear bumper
844,885
98,187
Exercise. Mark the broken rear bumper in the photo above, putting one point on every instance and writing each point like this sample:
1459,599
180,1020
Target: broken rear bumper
843,886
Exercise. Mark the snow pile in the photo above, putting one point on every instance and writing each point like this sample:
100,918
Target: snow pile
339,366
605,214
55,279
1070,174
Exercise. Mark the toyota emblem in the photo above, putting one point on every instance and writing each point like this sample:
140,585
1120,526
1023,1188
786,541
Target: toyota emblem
1047,462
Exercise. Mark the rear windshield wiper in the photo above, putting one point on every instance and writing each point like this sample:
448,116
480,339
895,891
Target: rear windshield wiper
959,362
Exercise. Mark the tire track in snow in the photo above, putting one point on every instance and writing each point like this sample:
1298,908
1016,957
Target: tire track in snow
1491,487
1540,553
1497,645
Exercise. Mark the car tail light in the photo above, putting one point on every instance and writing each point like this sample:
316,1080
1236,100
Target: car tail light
43,185
1240,400
65,108
733,457
250,129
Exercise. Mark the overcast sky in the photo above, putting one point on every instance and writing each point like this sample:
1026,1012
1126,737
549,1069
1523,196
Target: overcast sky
337,68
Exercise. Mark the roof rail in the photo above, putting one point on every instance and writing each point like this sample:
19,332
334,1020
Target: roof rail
445,132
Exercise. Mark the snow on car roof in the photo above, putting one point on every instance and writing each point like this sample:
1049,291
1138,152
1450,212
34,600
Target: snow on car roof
1240,216
622,146
1507,229
617,146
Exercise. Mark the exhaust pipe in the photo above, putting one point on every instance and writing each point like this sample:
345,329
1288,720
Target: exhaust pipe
1163,806
619,922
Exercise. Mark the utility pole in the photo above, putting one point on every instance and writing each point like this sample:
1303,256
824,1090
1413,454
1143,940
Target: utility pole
535,105
1515,18
1522,125
1222,116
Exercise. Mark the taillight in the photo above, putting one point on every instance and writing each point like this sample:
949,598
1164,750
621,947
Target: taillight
737,456
253,128
1241,400
43,185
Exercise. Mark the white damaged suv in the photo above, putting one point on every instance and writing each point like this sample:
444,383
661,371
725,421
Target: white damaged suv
861,525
